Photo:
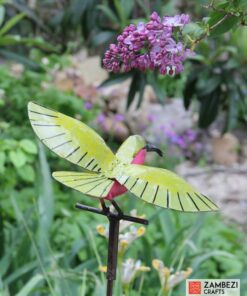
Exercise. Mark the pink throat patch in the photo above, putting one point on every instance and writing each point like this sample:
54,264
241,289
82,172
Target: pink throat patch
117,188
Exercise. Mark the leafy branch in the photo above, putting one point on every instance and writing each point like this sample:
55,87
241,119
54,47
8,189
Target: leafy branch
223,17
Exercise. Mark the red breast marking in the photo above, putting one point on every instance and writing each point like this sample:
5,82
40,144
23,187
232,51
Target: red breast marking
117,188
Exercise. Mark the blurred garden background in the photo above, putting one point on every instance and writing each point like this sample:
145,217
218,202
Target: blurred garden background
51,52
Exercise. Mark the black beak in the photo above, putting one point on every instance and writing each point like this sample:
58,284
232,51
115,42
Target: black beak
150,147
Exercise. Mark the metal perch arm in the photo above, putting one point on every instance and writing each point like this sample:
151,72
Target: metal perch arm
114,220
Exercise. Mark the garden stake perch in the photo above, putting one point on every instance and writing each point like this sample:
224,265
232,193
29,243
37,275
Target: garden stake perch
114,219
108,176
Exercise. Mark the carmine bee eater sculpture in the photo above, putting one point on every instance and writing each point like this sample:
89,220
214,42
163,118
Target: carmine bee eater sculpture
107,176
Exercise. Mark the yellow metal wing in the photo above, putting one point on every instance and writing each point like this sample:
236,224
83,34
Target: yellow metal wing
92,184
163,188
70,138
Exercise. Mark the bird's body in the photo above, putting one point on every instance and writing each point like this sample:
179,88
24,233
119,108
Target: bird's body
118,189
107,175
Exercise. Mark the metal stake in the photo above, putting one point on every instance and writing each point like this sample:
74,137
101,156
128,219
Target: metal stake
114,220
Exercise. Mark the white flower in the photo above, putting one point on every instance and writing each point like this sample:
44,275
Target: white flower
178,277
45,61
168,279
130,269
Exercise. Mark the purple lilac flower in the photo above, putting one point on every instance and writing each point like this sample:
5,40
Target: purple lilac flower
88,105
169,133
198,146
174,139
101,118
176,21
151,117
149,46
190,135
181,142
119,117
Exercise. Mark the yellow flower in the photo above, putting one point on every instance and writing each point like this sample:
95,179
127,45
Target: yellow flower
123,245
157,264
101,230
166,271
140,231
103,268
144,268
188,272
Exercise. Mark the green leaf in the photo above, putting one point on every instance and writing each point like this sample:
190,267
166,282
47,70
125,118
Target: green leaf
142,84
109,13
17,39
134,87
205,87
45,202
30,285
28,146
102,37
225,26
11,23
209,106
243,4
40,43
158,88
214,253
116,78
26,173
5,260
30,14
18,158
77,9
10,40
128,6
144,7
193,29
2,14
199,58
189,90
137,86
2,161
232,115
120,12
20,59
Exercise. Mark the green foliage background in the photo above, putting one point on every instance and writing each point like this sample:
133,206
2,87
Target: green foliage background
46,246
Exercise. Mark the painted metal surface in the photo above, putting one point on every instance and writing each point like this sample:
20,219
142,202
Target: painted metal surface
108,175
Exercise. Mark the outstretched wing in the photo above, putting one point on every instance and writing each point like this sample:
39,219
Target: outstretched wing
92,184
163,188
70,138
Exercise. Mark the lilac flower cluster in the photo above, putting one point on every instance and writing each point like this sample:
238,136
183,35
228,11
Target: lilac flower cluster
88,105
149,45
188,141
183,140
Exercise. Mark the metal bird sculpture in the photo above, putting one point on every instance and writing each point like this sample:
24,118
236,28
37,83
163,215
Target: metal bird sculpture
107,175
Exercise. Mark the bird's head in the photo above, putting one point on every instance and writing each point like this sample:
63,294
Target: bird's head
134,149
